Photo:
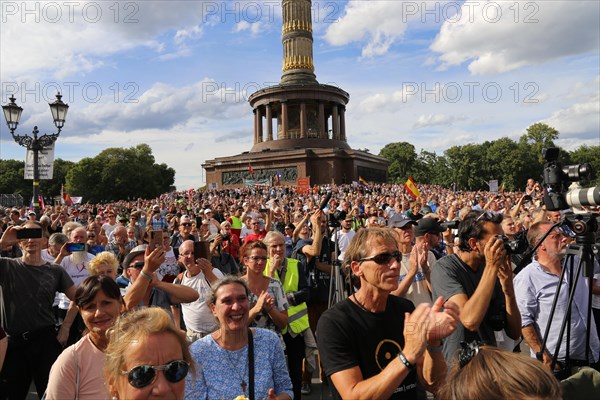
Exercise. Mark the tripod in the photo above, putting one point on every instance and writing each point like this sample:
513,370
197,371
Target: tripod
337,291
584,249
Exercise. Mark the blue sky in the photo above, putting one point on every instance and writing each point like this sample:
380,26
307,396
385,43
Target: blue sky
176,74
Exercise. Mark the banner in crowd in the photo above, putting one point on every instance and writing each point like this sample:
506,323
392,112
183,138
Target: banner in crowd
45,163
411,188
493,184
303,185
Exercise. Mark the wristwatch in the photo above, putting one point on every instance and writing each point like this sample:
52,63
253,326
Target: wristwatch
403,360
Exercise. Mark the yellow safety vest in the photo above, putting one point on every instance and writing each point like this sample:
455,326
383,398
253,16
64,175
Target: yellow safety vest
297,315
236,223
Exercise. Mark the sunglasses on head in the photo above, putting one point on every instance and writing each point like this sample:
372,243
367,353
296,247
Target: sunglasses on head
143,375
383,258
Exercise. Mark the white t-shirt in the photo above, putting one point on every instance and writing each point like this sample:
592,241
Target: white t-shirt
109,229
344,239
197,315
77,272
418,292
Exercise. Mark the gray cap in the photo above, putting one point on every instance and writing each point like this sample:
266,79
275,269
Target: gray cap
136,251
399,221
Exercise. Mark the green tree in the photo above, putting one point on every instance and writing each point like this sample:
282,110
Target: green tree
538,137
467,166
403,159
118,173
507,163
11,179
433,169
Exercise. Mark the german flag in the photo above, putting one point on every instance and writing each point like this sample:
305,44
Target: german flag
411,188
361,181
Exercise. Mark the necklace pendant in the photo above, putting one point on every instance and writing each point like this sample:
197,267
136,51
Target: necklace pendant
243,385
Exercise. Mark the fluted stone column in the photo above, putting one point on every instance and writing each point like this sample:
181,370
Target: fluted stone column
255,126
322,127
343,123
284,120
303,120
260,125
335,122
269,119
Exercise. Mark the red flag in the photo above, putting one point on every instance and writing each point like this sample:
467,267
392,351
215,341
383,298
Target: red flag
67,199
250,169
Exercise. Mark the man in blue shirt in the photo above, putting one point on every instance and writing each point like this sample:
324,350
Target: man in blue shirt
535,288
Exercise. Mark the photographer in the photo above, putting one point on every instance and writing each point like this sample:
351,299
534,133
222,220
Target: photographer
479,280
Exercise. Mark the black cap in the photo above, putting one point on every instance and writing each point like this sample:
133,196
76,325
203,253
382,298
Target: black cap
400,221
428,225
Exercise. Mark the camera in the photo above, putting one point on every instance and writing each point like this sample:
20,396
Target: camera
450,224
558,194
225,237
514,246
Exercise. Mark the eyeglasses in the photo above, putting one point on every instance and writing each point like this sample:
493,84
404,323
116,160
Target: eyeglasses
257,258
383,258
91,236
186,224
256,223
137,265
143,375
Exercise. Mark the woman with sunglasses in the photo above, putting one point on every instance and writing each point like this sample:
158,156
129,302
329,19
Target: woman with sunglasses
267,297
147,357
77,373
235,360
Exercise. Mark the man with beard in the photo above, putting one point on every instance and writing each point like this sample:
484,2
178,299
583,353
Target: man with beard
535,288
75,264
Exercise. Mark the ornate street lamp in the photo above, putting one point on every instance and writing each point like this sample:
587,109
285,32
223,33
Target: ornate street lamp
12,113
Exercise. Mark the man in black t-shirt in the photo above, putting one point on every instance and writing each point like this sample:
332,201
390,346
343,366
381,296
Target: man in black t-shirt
374,345
479,280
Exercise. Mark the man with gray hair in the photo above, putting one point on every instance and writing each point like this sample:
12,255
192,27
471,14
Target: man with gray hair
120,245
75,263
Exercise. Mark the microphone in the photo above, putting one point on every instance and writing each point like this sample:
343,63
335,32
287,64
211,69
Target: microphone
325,201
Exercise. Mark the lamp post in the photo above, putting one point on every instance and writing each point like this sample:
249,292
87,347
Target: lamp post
12,113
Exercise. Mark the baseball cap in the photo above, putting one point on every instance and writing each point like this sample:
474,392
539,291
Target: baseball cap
208,210
428,225
399,221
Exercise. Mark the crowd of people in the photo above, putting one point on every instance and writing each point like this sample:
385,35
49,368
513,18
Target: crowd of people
227,294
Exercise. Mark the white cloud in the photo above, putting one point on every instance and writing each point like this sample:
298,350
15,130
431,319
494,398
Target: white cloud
254,28
425,121
496,37
40,41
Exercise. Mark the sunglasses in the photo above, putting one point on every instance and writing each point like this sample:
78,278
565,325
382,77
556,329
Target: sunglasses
143,375
186,224
138,265
257,258
384,258
91,236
